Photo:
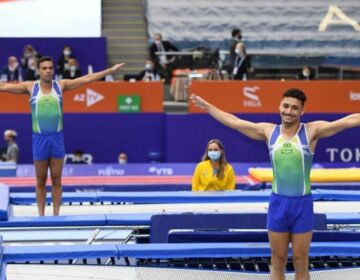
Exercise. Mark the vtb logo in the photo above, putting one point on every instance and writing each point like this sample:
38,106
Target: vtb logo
251,98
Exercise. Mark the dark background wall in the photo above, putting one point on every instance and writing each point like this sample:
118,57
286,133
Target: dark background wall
177,138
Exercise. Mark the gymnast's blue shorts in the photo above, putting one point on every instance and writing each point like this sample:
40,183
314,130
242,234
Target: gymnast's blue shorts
294,214
47,146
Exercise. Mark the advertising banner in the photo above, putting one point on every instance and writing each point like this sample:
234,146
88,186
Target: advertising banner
264,96
97,97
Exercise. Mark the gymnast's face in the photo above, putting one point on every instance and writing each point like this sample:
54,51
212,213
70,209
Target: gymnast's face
291,109
46,71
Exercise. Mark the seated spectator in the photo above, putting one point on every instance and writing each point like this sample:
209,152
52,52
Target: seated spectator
12,71
306,74
122,158
213,173
29,52
149,73
163,62
63,62
12,149
241,64
31,73
73,72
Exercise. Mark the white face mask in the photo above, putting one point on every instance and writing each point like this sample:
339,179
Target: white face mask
67,52
31,62
214,155
306,73
148,66
122,161
13,67
73,68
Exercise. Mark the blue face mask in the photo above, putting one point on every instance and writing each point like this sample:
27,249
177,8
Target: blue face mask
214,155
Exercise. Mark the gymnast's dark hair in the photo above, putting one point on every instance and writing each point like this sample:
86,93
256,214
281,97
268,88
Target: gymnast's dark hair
296,93
44,58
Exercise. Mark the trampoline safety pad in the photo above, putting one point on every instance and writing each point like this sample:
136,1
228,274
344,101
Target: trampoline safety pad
64,272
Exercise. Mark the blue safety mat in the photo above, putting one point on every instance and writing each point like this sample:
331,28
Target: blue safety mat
1,258
162,224
184,197
343,218
150,197
129,219
198,236
73,234
51,221
338,195
27,253
137,219
178,197
4,202
3,271
164,251
67,197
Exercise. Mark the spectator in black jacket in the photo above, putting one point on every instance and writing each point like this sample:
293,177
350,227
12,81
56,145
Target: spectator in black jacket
241,64
74,71
28,53
163,61
12,71
150,73
63,62
31,73
235,38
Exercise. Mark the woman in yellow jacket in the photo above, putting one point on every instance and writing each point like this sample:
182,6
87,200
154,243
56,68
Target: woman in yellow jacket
213,173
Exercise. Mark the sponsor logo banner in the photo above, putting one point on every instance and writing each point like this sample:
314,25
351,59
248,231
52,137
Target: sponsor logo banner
97,97
265,96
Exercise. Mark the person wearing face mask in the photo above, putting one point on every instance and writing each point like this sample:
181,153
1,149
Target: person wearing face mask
63,62
241,63
73,72
12,149
306,74
32,73
12,71
29,53
149,73
213,173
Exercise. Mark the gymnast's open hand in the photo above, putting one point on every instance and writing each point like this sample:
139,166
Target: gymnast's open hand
198,101
116,68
